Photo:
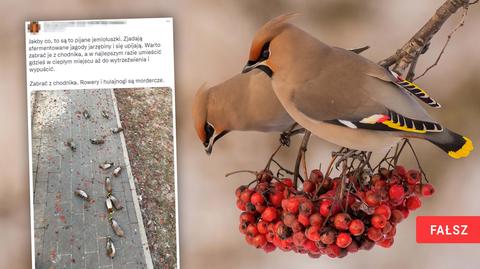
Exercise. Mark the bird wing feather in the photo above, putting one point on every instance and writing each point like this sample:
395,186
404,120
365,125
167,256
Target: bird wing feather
351,88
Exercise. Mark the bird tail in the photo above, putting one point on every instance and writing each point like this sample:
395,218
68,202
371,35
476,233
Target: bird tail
455,145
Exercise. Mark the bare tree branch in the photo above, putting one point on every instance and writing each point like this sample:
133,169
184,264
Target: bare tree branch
460,24
417,45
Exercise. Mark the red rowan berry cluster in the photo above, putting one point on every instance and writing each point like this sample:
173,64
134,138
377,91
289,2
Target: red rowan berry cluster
328,216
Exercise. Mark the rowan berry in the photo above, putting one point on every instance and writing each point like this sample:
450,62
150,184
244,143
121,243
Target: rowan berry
374,234
308,186
356,227
379,221
396,192
413,202
413,177
383,210
341,221
343,240
427,190
269,214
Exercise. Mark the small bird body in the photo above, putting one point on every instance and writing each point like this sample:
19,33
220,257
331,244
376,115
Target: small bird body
352,138
343,97
110,248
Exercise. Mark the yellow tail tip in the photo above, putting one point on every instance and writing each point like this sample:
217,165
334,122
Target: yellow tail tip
464,151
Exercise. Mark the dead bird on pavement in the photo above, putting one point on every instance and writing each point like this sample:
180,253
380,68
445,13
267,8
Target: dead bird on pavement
97,141
116,228
71,145
115,202
108,185
109,205
117,171
86,115
117,130
110,248
105,114
106,165
82,194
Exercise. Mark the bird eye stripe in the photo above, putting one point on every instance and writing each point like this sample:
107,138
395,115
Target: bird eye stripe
263,56
209,131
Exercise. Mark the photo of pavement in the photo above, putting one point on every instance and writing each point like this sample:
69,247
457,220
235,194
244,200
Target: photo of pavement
71,137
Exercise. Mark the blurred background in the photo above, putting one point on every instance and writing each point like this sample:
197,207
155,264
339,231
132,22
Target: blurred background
212,39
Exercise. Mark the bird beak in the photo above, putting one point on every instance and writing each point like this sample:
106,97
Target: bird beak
260,65
209,145
209,149
249,66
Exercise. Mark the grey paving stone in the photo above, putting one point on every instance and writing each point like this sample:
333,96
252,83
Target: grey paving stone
40,192
127,189
65,240
39,238
65,262
42,174
90,237
54,181
78,241
39,214
131,215
91,260
50,246
54,163
121,216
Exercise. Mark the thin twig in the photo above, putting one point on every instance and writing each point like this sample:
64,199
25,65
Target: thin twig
397,154
267,167
330,166
418,161
301,150
460,24
240,171
282,168
383,160
304,165
366,162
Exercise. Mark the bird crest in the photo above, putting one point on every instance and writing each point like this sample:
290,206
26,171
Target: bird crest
199,110
268,31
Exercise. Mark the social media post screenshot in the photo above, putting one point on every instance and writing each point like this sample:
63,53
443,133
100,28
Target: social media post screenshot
102,143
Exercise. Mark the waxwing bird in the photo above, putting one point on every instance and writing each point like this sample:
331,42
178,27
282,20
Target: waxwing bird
245,102
343,97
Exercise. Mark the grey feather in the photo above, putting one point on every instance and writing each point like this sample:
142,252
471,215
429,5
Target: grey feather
351,87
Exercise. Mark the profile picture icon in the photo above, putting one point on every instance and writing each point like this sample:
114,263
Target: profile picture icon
33,27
